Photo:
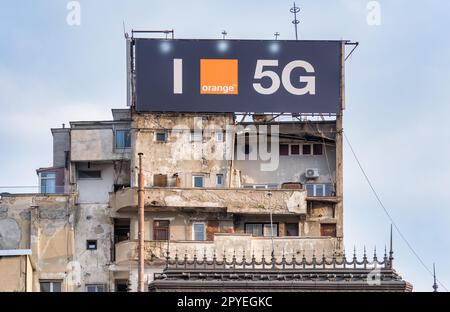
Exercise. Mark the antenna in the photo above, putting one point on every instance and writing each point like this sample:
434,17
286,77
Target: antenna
224,34
295,9
125,34
435,285
276,34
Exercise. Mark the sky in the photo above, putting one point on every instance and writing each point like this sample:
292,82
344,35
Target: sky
397,97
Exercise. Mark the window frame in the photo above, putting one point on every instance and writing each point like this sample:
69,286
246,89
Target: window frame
51,282
196,137
41,179
115,139
91,242
166,135
204,231
216,136
161,228
223,180
198,176
103,286
276,234
88,170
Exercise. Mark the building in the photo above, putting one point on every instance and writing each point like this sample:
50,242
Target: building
217,186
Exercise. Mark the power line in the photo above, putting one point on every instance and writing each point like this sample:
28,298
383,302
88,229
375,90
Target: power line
389,215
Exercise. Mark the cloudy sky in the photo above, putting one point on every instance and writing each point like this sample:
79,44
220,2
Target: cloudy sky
397,88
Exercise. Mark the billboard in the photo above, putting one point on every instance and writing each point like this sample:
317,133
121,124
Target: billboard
237,76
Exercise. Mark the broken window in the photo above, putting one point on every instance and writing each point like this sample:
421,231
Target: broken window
161,136
48,182
50,286
291,229
161,229
198,231
89,174
121,230
95,288
219,180
91,244
317,149
284,149
123,138
328,229
198,181
306,149
295,149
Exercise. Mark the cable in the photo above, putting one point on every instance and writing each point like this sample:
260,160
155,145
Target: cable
388,214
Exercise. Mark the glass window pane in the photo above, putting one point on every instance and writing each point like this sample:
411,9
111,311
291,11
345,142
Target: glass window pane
161,136
291,229
198,181
329,190
268,231
310,189
319,189
199,231
123,139
90,288
306,149
45,286
219,178
295,149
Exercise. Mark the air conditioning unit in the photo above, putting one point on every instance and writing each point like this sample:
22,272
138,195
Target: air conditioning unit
312,173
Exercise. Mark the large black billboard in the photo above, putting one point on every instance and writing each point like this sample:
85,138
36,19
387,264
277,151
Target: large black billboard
238,76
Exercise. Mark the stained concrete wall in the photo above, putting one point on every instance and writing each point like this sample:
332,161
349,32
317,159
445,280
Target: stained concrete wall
96,190
13,273
179,155
92,222
95,145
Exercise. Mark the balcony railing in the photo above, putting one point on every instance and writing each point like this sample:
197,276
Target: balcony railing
229,245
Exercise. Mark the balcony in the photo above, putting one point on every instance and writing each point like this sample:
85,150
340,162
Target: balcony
228,244
231,200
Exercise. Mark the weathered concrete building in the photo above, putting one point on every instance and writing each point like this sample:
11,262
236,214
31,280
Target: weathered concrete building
217,186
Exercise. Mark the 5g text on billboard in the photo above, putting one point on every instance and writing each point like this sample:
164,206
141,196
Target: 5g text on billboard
238,76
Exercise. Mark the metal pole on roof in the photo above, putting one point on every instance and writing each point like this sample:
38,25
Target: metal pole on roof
295,9
141,232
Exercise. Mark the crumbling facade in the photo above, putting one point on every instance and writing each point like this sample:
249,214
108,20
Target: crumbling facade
205,190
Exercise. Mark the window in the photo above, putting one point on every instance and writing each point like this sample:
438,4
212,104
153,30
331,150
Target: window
328,229
198,181
198,230
268,229
291,229
50,286
219,180
123,139
295,149
95,288
121,286
161,136
89,174
161,229
247,149
219,136
320,189
160,180
317,149
196,136
261,229
306,149
91,244
48,182
284,149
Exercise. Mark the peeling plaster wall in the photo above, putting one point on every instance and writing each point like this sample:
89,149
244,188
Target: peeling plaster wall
176,155
12,273
92,222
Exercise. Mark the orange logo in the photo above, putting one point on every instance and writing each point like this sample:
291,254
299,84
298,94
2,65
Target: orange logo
218,76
